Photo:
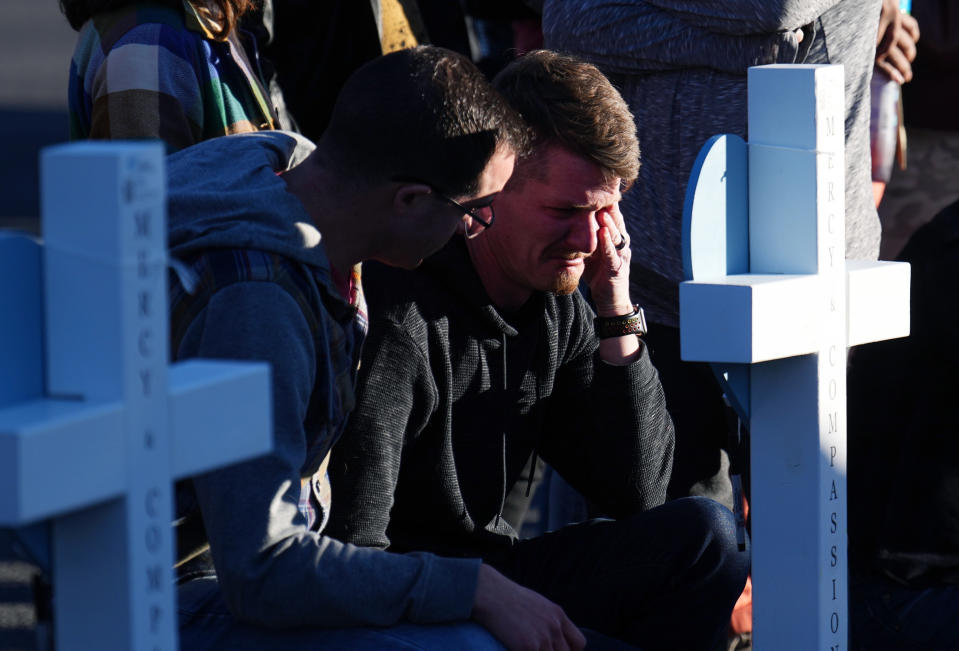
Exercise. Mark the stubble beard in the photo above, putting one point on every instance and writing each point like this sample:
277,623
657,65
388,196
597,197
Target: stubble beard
565,283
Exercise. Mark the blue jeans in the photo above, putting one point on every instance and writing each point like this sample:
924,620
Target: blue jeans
886,615
206,623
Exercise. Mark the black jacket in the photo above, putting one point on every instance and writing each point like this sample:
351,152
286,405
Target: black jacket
455,396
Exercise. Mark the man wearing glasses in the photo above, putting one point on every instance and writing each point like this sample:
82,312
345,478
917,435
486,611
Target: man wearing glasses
486,357
266,231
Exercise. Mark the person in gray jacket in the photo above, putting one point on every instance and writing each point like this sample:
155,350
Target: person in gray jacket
487,357
266,231
681,65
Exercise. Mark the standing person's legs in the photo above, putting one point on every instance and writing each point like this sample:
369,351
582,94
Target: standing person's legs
206,624
663,579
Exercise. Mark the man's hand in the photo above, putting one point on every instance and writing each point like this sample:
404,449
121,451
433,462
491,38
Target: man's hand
521,619
607,269
607,272
896,42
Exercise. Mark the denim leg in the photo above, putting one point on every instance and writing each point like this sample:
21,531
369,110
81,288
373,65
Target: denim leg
206,624
664,579
887,616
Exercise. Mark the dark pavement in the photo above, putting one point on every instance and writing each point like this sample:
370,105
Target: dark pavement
17,615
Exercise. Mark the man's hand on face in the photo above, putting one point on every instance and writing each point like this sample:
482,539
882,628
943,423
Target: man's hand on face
520,618
607,269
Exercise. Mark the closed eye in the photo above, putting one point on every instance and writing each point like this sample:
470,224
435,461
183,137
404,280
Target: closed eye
565,211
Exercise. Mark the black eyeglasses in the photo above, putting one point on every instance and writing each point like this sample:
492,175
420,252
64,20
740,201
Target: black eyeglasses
474,212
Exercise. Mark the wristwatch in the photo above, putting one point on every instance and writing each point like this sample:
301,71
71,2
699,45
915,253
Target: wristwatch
633,323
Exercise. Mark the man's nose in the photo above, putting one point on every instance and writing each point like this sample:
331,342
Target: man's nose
582,235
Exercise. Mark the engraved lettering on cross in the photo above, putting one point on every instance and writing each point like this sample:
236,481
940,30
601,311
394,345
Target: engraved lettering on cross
155,613
773,304
143,300
142,219
155,577
140,422
153,494
153,538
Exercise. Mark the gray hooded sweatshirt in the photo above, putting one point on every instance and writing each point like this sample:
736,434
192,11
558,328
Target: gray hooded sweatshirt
273,568
681,65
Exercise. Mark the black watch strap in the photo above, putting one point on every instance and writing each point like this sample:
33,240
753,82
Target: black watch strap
633,323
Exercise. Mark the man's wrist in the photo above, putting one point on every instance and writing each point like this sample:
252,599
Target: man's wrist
615,309
632,322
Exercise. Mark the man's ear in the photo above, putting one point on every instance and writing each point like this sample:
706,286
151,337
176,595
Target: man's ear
409,196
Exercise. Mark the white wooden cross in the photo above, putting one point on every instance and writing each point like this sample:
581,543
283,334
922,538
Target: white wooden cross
773,300
94,425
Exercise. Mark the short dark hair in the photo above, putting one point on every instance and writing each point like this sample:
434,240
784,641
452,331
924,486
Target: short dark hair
225,13
570,102
425,113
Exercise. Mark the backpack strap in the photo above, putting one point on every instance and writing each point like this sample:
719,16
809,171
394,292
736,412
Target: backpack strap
193,283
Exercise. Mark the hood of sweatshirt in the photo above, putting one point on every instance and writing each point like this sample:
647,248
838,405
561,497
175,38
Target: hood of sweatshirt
227,193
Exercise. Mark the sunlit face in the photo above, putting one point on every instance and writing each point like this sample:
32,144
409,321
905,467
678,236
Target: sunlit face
546,223
443,219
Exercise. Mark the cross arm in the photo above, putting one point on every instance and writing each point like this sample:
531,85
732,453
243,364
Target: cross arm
61,455
57,456
220,413
756,318
877,295
749,318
